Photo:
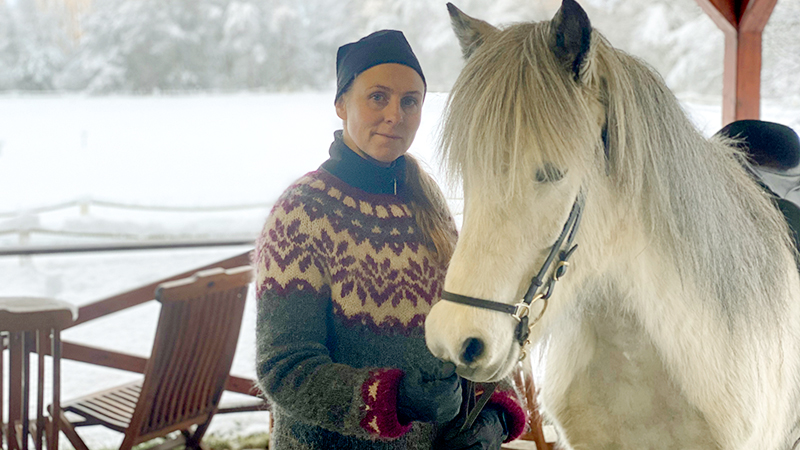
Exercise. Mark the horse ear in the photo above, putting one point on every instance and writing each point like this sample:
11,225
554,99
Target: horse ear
470,32
570,36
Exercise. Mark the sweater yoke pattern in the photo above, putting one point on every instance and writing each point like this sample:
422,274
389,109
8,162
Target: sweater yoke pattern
362,249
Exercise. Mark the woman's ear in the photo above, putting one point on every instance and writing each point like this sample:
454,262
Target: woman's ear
341,109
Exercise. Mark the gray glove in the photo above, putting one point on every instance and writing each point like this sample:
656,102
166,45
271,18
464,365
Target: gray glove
487,433
429,397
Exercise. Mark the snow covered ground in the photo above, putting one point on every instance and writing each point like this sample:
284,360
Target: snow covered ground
182,152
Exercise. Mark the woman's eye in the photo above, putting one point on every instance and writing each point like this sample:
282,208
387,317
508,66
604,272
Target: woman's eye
410,102
378,97
411,105
548,174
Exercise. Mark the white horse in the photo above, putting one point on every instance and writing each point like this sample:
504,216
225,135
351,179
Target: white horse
678,323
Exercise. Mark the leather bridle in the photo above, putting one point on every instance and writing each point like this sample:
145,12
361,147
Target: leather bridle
539,289
562,249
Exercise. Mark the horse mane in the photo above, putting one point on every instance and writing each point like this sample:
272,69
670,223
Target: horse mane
511,110
514,108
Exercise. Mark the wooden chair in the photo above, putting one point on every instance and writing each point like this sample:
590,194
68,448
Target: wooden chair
30,325
195,340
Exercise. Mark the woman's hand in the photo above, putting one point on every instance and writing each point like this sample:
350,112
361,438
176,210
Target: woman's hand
427,397
487,433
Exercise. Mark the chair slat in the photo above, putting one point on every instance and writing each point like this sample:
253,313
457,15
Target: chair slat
125,400
167,394
197,364
113,405
101,409
202,346
210,352
215,350
96,414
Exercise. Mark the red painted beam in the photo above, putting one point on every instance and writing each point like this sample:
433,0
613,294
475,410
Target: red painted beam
755,15
722,12
743,22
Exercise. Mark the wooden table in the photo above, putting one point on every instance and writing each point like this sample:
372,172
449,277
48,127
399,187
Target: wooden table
30,324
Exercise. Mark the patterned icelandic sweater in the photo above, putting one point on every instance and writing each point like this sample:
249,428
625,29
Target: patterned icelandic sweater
344,286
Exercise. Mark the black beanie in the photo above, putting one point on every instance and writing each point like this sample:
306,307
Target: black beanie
380,47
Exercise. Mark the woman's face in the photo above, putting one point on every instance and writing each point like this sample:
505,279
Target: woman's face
382,111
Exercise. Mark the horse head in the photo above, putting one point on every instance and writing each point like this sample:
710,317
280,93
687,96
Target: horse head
524,130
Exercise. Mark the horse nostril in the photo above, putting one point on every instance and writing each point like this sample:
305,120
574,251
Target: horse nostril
473,349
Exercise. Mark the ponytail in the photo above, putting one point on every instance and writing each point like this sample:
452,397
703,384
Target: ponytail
430,211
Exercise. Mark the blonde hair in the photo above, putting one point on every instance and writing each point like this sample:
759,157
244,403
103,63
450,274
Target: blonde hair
430,210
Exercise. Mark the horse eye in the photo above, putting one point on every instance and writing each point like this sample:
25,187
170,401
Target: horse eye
548,174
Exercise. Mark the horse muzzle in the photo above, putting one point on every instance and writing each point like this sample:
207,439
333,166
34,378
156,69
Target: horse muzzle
478,342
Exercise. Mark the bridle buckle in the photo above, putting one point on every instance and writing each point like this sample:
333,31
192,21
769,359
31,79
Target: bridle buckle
521,310
560,270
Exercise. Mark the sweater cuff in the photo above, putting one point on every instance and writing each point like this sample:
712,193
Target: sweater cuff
517,417
379,393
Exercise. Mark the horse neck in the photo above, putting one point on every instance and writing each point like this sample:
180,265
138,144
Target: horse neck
692,200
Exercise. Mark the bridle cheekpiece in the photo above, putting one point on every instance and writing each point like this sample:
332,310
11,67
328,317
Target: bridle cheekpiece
539,289
562,249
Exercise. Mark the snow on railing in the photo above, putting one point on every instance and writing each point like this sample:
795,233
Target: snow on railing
28,250
27,224
39,210
113,235
84,205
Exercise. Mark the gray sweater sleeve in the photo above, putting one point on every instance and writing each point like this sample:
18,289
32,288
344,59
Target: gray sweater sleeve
294,366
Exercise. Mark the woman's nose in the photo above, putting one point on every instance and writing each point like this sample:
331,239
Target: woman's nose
394,112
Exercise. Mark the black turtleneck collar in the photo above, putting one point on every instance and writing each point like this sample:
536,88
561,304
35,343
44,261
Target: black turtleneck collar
365,174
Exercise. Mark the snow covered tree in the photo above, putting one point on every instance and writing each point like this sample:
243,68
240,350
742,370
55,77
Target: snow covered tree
780,63
34,47
9,51
147,46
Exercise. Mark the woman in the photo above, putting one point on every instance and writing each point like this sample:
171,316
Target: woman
350,260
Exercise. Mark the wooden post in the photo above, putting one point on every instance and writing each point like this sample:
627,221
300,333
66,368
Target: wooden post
15,348
742,22
52,437
26,386
40,420
3,337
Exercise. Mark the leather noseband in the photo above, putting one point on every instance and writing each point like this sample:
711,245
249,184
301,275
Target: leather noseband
562,249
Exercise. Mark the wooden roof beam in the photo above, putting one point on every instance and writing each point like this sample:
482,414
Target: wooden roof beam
742,22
